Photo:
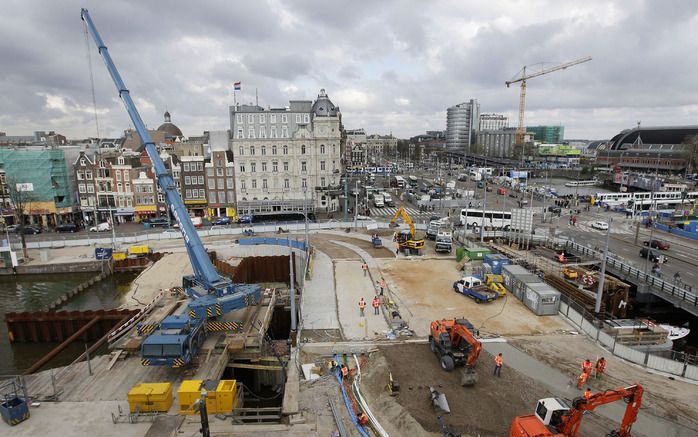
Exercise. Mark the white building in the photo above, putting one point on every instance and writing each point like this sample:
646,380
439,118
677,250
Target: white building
287,159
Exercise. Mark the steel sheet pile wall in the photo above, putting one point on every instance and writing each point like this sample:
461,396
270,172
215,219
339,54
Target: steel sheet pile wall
253,270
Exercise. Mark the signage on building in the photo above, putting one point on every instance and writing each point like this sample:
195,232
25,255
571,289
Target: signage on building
103,253
25,186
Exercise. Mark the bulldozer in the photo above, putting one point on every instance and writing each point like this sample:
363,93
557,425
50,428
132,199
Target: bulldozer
406,240
454,344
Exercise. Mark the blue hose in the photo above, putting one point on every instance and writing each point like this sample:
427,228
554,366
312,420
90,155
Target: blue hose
338,375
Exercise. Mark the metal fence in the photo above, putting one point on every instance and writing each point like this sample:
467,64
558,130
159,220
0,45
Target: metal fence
675,363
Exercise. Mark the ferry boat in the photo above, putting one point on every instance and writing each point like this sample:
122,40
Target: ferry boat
588,183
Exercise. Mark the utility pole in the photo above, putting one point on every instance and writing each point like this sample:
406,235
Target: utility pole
346,198
602,273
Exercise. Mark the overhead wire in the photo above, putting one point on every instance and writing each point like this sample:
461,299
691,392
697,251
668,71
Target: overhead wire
92,78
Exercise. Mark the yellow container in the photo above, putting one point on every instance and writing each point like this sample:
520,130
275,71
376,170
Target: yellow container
220,395
188,393
118,256
139,250
150,397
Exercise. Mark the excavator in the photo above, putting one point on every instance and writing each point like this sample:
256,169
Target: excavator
406,239
555,417
454,344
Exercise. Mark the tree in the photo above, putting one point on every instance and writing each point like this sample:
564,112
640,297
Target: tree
21,196
692,156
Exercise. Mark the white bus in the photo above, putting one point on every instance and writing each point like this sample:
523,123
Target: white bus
473,218
398,182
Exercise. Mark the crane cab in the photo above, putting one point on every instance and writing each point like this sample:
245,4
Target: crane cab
550,410
544,422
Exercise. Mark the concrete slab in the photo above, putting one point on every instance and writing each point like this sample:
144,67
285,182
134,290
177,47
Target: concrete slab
319,304
351,286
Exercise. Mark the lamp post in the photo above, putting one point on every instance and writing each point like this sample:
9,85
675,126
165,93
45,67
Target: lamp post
602,273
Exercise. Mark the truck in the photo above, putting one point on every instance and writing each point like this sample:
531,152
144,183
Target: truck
378,201
475,288
175,340
388,199
433,229
444,242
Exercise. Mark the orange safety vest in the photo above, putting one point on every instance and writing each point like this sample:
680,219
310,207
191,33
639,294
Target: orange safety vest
376,302
587,394
345,371
498,360
586,366
600,365
362,304
382,283
365,266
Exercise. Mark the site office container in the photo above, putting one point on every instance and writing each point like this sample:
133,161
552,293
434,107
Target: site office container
516,278
220,395
542,299
476,253
150,397
497,261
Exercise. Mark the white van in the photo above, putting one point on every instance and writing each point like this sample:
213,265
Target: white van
378,201
388,199
102,227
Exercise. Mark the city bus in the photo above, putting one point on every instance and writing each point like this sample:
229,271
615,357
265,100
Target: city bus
397,182
473,218
413,181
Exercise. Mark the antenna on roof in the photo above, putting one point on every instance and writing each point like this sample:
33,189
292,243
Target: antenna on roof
256,97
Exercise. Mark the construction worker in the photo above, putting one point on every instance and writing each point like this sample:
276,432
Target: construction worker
587,393
587,367
364,267
362,419
582,379
362,306
498,362
561,257
376,305
397,248
382,285
600,366
345,371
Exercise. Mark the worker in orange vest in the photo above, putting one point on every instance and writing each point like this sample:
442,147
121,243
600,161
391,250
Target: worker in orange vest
345,372
376,305
362,419
498,362
364,266
587,367
600,366
587,393
582,379
362,305
561,257
382,285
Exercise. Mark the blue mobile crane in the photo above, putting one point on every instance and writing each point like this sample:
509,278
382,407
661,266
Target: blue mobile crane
177,338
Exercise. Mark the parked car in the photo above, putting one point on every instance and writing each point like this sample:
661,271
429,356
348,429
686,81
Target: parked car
657,244
221,221
67,227
155,222
102,227
245,219
11,228
31,230
654,256
555,209
602,226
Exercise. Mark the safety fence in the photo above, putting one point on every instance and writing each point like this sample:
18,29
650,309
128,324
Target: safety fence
672,362
675,293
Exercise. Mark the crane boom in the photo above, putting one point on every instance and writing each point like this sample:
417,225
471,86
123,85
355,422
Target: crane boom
204,271
520,131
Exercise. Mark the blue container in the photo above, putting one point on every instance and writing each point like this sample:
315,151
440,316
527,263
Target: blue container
496,261
14,410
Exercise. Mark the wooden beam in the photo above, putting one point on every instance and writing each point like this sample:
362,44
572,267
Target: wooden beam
253,366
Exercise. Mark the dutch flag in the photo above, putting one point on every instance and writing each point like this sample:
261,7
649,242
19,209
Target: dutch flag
237,86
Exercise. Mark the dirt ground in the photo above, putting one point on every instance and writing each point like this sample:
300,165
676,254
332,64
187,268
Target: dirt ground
484,410
424,292
674,400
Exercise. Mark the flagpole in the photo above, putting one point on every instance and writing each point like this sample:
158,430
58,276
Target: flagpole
235,99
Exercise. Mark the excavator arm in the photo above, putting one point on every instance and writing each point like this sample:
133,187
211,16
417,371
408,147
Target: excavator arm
631,395
401,212
461,333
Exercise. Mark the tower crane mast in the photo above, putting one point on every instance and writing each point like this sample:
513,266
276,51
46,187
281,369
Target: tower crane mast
520,131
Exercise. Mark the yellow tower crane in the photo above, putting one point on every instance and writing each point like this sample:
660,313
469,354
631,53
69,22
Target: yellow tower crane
522,99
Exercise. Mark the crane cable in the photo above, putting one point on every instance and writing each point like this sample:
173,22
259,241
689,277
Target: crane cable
92,78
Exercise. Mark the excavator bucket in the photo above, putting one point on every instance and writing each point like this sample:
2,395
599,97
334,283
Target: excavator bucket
468,377
439,401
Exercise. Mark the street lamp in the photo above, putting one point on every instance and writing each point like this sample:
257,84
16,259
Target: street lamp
602,273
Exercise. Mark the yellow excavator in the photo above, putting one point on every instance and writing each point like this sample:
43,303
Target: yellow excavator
406,239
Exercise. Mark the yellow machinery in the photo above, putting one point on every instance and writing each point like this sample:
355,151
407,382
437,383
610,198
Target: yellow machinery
407,241
570,273
150,397
139,251
495,282
118,256
220,395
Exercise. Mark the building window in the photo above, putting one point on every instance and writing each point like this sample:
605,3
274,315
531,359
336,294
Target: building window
211,197
252,150
243,185
322,149
322,182
322,165
264,184
90,188
118,175
88,175
250,118
306,118
186,166
262,132
254,184
303,149
187,180
272,118
262,118
209,171
304,183
239,118
242,151
285,165
82,162
81,188
211,184
333,149
221,197
298,118
201,180
119,187
274,166
264,150
80,174
120,160
284,132
200,167
253,167
241,134
264,167
287,183
285,149
284,118
231,183
229,171
187,194
231,197
273,132
242,167
219,171
250,133
273,150
304,166
221,184
128,187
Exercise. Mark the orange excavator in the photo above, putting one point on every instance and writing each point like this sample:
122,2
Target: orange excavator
454,344
555,417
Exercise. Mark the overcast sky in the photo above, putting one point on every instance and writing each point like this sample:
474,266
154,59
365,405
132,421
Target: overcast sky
389,65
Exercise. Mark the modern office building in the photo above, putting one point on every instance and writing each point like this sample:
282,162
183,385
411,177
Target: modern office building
287,160
500,143
547,134
462,125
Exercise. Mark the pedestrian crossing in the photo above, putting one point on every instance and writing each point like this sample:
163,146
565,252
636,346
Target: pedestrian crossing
390,210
